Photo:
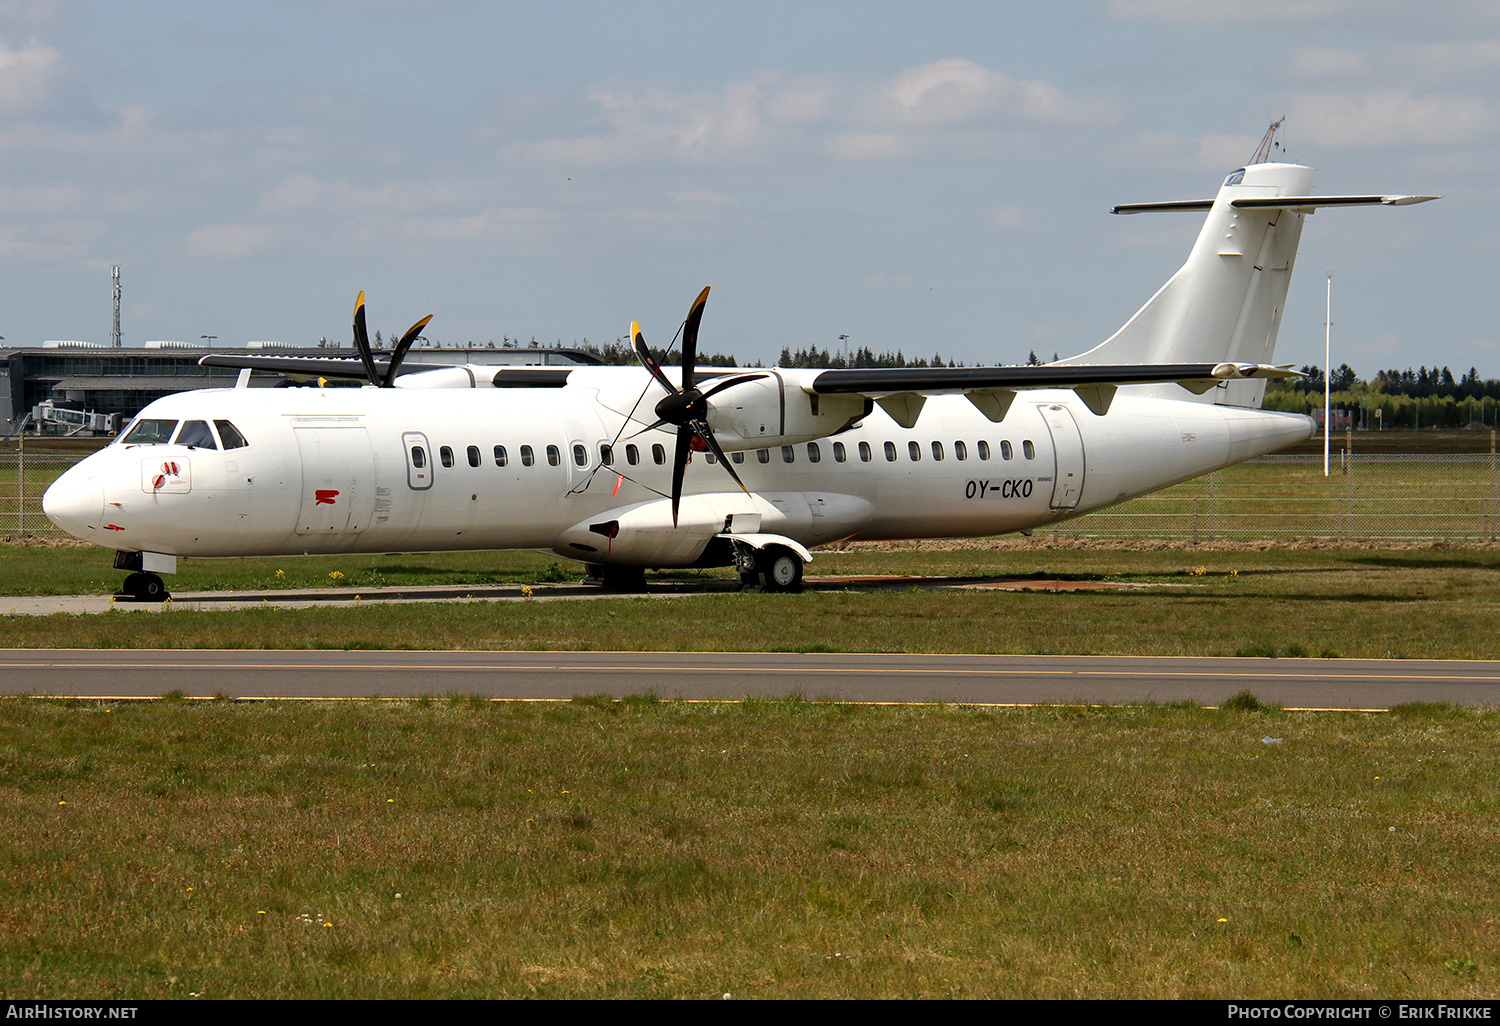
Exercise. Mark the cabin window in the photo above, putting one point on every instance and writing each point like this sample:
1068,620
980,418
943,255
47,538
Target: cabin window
937,450
711,458
554,456
1006,452
632,454
960,451
446,455
500,456
814,454
864,452
763,455
1028,450
914,450
230,435
418,457
528,458
473,453
788,454
580,454
984,449
196,435
606,454
890,452
738,457
839,453
150,432
658,454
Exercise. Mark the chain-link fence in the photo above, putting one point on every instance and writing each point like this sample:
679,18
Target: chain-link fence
23,479
1417,497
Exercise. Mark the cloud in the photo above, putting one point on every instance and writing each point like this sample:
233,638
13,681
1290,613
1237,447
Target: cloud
868,146
26,76
1388,116
957,90
229,241
771,116
1453,58
1326,62
1217,12
703,197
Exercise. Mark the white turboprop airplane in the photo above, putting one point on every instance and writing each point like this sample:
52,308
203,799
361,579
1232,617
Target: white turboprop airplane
591,462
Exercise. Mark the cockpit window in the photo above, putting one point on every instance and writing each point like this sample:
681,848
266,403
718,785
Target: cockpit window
196,435
1236,178
150,432
230,435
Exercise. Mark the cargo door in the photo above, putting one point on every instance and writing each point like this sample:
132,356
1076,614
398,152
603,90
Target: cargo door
1067,444
338,480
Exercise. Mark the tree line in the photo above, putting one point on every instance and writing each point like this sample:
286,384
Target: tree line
1424,398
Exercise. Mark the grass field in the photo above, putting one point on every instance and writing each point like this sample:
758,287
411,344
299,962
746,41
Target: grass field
767,849
1414,602
635,848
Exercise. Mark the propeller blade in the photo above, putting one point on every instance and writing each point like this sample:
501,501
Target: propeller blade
690,338
401,348
362,340
679,466
706,433
643,354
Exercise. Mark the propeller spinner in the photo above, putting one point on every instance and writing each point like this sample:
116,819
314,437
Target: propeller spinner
687,407
362,343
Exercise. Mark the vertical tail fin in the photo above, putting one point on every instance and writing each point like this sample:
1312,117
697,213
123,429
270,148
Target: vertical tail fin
1224,305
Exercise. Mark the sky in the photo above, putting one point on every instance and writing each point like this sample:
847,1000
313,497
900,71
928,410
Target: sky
932,177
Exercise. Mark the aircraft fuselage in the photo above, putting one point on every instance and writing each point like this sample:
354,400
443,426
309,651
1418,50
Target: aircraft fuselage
392,470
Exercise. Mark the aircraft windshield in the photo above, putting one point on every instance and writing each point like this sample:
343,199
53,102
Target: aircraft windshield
195,434
150,432
230,435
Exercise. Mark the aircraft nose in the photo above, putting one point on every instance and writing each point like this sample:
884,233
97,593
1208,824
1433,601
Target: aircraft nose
75,503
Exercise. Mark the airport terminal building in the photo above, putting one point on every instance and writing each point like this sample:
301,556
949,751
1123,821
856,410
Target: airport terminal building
115,383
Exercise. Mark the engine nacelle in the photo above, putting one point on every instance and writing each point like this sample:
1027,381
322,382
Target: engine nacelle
775,410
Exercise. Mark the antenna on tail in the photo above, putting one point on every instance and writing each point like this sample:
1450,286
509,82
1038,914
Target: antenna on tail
1268,143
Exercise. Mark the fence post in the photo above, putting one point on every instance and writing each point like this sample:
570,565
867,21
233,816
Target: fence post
1349,482
1212,505
21,482
1195,520
1493,495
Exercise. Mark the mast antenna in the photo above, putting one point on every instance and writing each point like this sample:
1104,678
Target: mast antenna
115,334
1268,143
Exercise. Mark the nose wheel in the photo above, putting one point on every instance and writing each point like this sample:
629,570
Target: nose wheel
143,587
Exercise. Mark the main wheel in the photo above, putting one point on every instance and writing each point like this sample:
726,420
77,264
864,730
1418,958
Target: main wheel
147,587
780,569
631,579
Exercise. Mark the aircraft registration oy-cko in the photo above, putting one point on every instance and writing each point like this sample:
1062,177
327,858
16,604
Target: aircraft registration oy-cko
598,463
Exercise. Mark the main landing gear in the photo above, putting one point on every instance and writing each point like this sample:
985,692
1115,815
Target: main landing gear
143,587
624,579
773,568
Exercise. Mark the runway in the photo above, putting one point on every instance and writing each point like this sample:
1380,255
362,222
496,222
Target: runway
1356,684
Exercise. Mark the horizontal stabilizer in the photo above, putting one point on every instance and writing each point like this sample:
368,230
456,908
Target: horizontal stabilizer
1303,204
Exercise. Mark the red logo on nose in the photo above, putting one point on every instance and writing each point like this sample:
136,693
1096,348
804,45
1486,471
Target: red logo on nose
324,495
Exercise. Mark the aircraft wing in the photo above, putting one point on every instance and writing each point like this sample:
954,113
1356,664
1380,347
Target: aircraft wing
901,391
308,368
302,367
